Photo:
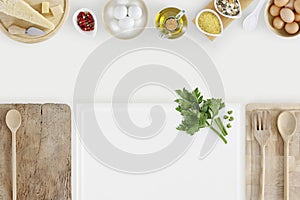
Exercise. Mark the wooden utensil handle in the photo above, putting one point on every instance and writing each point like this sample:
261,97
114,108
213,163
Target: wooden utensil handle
263,173
14,166
286,171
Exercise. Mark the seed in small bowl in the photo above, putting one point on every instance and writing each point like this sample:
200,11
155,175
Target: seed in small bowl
228,8
209,22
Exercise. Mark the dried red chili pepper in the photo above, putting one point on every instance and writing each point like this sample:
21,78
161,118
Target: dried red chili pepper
86,21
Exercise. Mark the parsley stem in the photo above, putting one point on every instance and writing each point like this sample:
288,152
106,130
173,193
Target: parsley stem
221,126
217,132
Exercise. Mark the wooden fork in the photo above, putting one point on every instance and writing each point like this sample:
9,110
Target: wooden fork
261,124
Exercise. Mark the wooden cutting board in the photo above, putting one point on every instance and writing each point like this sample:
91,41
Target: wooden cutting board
6,21
43,153
274,187
226,21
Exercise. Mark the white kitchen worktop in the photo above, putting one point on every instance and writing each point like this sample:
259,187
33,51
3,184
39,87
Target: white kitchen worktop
216,176
254,67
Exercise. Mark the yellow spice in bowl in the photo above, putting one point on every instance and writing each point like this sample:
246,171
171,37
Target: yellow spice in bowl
209,23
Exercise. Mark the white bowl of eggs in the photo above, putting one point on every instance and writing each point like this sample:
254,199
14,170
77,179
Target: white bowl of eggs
125,19
283,17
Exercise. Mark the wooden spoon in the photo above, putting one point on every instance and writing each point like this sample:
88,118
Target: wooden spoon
13,122
287,124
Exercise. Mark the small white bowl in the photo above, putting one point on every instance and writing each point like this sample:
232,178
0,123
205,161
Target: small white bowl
216,14
111,24
228,16
87,33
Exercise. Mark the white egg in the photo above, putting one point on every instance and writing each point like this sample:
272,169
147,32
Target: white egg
126,23
114,25
120,12
135,12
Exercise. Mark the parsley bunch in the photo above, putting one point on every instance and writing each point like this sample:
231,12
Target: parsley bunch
200,113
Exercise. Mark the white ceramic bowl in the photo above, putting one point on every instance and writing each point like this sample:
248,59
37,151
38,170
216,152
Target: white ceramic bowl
269,22
232,17
216,14
87,33
112,24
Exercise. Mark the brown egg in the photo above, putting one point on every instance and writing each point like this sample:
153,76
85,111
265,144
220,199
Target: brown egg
274,10
297,17
290,4
287,15
278,23
280,3
292,28
297,6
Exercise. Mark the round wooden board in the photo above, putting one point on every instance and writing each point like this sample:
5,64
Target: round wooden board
6,21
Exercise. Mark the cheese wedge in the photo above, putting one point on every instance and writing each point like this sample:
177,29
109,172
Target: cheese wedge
22,10
16,30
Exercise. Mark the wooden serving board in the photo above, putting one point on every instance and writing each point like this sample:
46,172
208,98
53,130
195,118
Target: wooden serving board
43,153
225,20
274,179
6,21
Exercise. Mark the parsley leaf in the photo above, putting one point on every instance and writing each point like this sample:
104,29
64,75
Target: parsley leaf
199,113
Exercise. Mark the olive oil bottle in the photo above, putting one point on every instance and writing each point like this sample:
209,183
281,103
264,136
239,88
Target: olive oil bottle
171,23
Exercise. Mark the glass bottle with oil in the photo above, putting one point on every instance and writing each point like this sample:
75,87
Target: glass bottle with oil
171,23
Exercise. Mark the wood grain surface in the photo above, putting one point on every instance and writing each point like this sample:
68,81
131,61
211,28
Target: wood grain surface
225,20
43,153
6,21
274,180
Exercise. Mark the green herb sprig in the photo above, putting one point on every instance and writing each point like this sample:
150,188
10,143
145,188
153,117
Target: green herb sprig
199,113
